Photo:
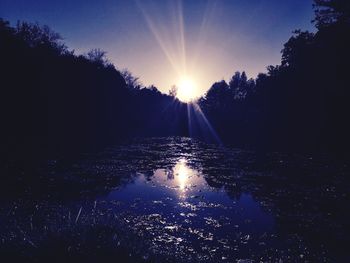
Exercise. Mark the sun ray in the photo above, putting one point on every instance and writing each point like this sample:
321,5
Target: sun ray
206,128
202,34
155,31
182,36
177,58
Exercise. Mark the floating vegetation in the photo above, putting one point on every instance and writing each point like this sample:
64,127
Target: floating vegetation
179,200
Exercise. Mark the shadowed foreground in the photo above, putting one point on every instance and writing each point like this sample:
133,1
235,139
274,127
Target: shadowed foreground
180,200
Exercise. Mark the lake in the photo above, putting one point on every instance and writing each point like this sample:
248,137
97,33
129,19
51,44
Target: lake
181,200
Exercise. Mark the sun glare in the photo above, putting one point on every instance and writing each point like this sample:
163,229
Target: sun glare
186,89
182,173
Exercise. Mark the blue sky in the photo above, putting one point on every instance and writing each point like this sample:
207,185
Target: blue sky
162,40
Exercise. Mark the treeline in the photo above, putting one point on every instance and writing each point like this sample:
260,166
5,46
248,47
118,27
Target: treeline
301,104
55,102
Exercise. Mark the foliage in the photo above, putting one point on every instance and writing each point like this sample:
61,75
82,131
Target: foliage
57,103
131,81
54,100
301,104
173,91
98,56
328,12
40,36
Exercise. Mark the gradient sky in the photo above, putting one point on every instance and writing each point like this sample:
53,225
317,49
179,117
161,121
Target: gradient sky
161,40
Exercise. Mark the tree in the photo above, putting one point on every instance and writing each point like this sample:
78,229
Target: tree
40,36
132,82
234,82
296,49
331,11
58,103
217,96
240,86
173,91
98,56
5,26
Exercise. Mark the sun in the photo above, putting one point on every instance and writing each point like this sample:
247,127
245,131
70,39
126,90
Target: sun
186,89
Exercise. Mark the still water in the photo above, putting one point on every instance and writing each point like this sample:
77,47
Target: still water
180,200
178,211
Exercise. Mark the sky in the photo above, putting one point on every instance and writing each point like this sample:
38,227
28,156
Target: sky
164,42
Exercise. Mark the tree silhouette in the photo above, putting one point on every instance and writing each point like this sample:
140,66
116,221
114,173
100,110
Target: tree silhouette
40,36
173,91
54,100
131,81
98,56
57,103
328,12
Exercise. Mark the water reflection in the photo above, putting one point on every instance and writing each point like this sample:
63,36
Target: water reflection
182,173
180,179
191,202
175,207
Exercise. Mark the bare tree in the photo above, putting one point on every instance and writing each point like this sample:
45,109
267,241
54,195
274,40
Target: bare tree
173,91
97,55
131,81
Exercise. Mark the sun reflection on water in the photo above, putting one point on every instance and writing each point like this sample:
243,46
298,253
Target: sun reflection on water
181,172
183,175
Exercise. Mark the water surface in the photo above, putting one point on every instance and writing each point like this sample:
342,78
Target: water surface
177,199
